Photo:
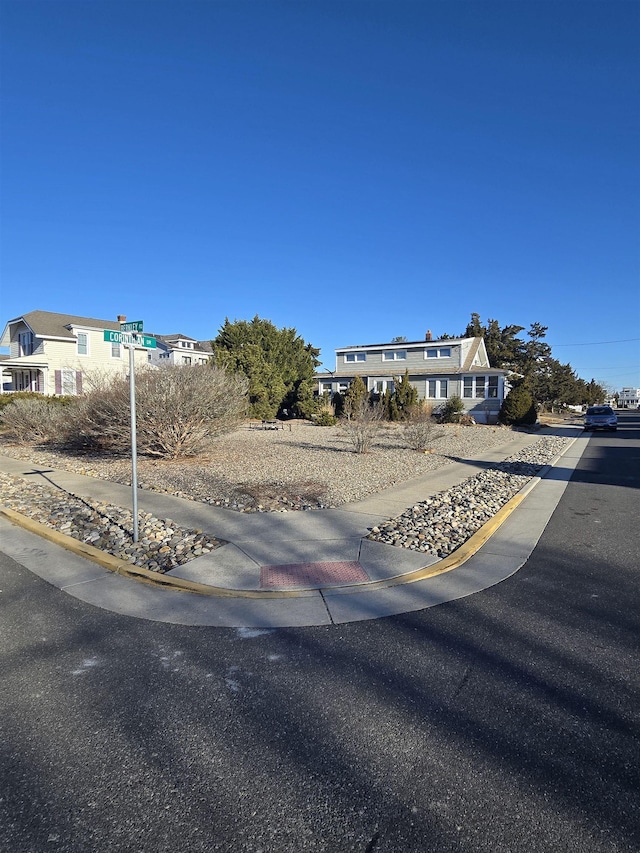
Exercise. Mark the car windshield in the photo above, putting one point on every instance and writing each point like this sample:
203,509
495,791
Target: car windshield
600,410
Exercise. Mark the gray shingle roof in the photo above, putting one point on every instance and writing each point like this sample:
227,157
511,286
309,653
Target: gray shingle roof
52,325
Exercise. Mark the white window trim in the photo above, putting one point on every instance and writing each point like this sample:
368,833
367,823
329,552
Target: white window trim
438,389
352,357
385,384
86,336
480,387
26,343
394,355
440,352
68,382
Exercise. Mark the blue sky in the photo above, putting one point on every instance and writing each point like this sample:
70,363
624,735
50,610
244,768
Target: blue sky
356,170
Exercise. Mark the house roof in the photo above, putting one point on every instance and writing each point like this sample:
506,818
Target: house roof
473,351
401,344
414,373
48,324
168,340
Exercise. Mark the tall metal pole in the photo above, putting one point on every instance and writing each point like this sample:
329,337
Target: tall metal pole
134,454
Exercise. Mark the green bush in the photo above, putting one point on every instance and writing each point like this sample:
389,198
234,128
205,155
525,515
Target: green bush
518,408
452,410
325,418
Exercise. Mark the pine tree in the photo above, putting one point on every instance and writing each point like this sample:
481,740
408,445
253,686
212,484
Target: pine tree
404,397
354,396
277,362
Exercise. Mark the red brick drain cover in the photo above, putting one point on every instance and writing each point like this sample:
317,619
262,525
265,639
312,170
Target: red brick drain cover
311,574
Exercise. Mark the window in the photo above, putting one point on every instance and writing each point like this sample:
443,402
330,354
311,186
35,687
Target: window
83,343
355,356
115,350
186,359
379,386
394,355
25,343
437,389
437,352
69,385
479,387
325,387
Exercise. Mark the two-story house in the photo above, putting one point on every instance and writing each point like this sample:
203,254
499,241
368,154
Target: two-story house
179,349
437,369
56,353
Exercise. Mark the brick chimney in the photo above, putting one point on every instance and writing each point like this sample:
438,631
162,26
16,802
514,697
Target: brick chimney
428,336
122,318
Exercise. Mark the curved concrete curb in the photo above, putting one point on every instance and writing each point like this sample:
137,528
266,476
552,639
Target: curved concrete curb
495,552
125,569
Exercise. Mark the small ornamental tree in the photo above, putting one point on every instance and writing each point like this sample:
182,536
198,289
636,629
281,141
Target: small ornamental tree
518,407
354,397
398,404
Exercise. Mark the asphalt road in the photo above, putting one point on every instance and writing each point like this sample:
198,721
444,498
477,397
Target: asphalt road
506,721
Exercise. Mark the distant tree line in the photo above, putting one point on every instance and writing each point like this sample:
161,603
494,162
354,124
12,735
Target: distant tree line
532,367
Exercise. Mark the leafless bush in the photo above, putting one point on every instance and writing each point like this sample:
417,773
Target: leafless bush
33,421
420,430
178,411
363,425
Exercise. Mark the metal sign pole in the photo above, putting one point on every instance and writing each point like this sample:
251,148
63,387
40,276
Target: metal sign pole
134,460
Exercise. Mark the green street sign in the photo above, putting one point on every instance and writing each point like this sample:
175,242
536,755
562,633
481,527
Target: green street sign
133,326
114,337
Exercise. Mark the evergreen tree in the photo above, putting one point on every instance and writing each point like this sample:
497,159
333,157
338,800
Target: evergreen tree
404,397
518,407
354,397
277,362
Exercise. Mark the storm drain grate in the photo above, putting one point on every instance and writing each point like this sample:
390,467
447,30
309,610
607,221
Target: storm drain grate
311,574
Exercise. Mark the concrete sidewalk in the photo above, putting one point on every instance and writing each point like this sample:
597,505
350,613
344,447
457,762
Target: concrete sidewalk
333,539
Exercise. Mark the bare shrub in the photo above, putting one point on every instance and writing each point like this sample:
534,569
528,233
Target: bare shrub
363,424
179,410
34,420
420,430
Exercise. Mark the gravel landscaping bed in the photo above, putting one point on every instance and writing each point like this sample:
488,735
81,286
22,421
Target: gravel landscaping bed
299,467
304,468
440,524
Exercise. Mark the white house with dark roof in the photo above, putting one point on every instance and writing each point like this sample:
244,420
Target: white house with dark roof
179,349
53,353
437,369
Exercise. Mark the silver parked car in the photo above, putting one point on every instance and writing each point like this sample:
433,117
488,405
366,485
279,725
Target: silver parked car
600,417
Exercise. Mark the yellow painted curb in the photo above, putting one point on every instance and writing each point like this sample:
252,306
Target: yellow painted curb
459,556
121,567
